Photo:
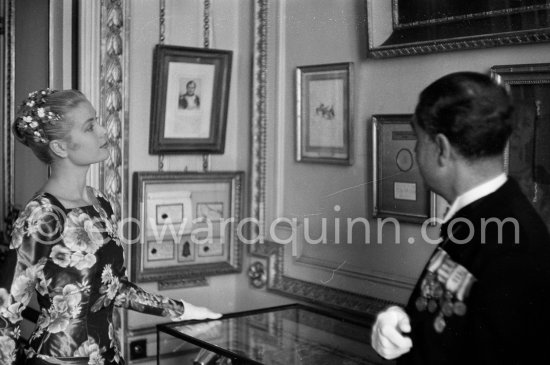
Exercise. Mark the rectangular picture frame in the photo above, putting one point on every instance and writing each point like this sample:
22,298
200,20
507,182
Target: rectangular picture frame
398,188
527,157
206,247
189,99
412,27
324,105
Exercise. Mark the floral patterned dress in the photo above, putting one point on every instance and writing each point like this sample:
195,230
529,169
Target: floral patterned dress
73,262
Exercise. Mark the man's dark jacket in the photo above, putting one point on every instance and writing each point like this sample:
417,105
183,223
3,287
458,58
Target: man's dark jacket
507,317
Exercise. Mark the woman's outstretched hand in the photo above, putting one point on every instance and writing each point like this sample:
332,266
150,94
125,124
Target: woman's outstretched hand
194,312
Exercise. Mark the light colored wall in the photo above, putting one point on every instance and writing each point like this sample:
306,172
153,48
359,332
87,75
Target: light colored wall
330,31
316,32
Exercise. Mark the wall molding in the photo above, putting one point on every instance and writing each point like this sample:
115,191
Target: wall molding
377,277
259,118
113,95
113,102
315,293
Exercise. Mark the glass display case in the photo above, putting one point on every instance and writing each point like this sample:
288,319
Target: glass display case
287,335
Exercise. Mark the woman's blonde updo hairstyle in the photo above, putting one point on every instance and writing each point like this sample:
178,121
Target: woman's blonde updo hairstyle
41,119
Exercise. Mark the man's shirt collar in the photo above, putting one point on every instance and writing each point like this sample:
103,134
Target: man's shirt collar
474,194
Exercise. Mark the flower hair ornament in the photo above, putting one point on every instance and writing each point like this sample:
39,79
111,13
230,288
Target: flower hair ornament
33,116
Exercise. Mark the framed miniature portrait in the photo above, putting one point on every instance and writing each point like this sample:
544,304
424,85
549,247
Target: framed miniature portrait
185,224
324,112
190,95
398,188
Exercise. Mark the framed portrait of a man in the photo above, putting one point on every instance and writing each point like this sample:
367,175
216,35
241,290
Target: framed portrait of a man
190,95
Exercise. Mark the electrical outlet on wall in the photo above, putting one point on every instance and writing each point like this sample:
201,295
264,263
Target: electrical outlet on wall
138,349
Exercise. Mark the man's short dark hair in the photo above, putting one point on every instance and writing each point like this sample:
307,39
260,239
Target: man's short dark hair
471,110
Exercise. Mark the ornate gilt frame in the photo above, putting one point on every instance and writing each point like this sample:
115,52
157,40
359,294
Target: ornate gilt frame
388,37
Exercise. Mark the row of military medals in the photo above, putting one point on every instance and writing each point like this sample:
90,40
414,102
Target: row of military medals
444,288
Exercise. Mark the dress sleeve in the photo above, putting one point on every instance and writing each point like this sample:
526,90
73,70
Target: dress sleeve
35,231
133,297
117,288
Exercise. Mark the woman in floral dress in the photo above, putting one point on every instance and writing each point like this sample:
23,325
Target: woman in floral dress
68,253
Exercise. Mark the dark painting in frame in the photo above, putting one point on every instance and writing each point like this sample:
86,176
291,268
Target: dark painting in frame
527,156
411,27
189,99
206,248
398,188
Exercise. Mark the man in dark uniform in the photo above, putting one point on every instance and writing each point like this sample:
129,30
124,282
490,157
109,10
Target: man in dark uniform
483,298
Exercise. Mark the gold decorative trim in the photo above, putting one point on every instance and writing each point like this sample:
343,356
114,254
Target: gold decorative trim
112,102
447,46
113,111
259,121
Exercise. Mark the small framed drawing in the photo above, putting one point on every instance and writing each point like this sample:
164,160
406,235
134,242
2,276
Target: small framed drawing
398,188
185,224
324,112
189,99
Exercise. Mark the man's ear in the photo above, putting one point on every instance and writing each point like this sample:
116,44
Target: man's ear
444,149
59,148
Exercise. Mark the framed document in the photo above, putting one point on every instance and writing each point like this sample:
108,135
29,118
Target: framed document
185,224
398,188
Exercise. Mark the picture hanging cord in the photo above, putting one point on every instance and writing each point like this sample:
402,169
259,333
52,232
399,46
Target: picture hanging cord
206,23
162,29
206,35
162,25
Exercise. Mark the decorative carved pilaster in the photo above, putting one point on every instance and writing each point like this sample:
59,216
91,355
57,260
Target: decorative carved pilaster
113,105
112,46
259,120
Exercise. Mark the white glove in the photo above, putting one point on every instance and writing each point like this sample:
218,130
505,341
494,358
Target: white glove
387,333
193,312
